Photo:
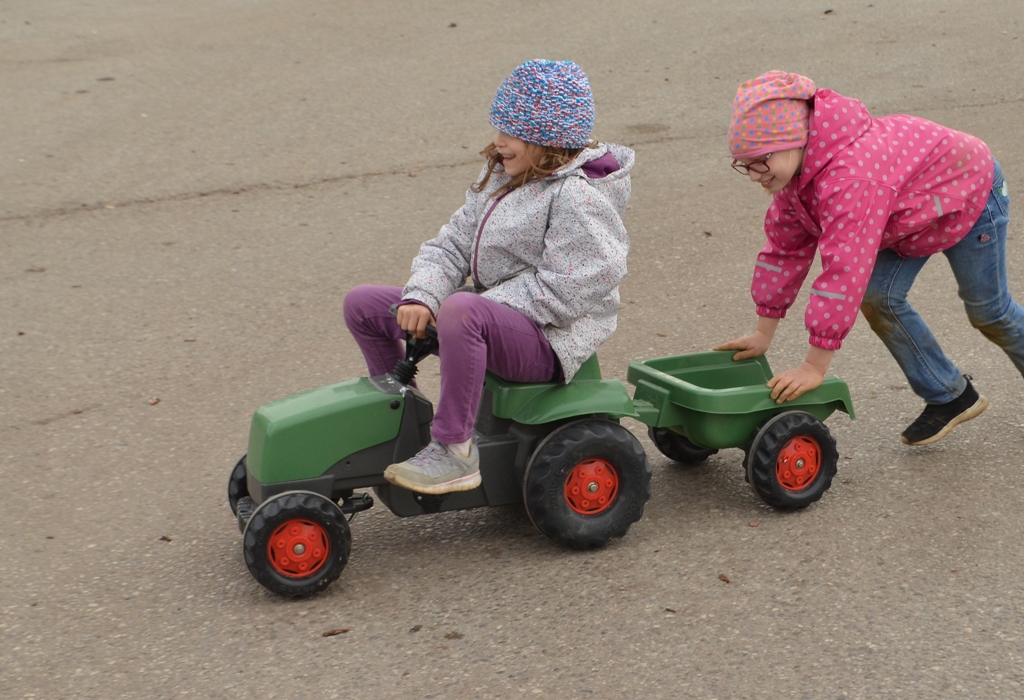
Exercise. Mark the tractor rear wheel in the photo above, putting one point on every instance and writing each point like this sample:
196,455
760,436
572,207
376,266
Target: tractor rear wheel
586,483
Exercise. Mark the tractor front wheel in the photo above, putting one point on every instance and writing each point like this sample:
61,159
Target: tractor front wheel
297,543
238,486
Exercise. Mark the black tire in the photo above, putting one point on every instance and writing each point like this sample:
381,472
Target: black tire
290,519
774,466
587,444
678,448
238,486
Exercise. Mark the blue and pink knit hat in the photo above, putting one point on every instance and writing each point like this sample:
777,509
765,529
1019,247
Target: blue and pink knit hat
770,113
548,103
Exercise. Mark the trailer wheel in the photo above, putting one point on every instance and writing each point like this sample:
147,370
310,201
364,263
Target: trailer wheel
792,460
238,486
677,447
296,543
587,482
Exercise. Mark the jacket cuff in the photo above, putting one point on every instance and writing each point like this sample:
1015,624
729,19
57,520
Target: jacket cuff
770,312
413,299
825,343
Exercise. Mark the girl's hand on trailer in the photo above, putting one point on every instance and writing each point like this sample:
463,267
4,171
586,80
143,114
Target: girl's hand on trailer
794,382
753,345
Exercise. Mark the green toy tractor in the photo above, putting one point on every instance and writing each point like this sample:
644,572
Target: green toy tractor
557,448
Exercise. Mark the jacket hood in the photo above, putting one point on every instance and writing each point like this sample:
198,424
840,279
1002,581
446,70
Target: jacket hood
607,168
854,122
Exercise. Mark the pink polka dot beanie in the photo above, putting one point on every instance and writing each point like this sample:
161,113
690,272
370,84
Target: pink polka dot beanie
770,114
548,103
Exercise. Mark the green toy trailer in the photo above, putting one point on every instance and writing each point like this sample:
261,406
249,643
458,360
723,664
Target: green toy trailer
699,403
556,448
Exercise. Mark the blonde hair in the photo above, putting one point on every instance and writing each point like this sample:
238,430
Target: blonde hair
544,161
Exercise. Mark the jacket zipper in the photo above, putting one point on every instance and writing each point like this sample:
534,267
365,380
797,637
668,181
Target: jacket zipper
479,233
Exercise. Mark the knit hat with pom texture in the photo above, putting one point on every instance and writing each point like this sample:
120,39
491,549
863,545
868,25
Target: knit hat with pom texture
770,113
548,103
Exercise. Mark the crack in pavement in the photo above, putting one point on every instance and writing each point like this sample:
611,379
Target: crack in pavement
51,419
267,187
186,196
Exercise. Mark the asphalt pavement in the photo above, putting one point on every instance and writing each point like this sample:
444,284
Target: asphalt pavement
188,189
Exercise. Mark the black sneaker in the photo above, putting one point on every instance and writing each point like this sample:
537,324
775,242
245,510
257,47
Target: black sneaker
938,419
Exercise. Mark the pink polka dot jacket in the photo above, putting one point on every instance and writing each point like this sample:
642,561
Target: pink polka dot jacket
554,250
897,182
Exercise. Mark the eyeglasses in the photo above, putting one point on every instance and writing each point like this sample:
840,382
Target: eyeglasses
759,167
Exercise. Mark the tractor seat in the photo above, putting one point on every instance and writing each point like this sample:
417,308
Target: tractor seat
542,402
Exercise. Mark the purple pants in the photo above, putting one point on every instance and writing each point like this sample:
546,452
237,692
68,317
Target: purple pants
475,335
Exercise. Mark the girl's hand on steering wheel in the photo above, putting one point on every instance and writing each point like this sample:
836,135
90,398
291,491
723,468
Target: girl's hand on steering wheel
414,318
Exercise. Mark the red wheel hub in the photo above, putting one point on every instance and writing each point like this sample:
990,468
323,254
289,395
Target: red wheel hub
591,487
798,464
298,548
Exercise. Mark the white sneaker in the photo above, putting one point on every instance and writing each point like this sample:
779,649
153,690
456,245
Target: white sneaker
436,469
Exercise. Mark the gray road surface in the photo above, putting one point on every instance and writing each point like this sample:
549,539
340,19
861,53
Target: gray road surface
190,187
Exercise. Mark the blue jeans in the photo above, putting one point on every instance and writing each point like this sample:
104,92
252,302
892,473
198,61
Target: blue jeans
979,265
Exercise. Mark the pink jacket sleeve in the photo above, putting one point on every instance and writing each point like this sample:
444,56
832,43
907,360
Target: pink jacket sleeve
783,263
854,214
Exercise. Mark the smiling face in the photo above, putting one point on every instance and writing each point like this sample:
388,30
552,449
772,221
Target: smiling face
516,155
782,166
